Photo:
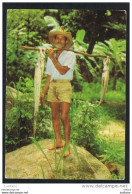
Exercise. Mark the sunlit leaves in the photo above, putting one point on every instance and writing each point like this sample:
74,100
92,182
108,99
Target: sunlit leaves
52,22
108,13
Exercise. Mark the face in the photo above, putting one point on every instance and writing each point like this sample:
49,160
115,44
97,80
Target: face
60,41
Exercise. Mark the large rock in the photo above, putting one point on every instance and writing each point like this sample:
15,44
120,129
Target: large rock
11,95
30,163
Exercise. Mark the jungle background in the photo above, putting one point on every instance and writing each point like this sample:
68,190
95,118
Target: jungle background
100,130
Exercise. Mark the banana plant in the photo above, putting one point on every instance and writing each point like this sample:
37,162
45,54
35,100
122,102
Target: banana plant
116,49
52,22
80,45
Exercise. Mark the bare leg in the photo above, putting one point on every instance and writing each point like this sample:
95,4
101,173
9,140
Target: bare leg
55,107
66,123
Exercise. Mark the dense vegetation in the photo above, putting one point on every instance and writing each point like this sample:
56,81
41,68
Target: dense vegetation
96,32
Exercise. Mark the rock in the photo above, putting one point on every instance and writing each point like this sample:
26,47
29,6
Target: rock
11,92
11,95
30,163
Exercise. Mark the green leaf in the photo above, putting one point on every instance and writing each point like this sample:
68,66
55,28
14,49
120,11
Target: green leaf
76,153
61,157
12,58
52,22
80,35
108,13
42,171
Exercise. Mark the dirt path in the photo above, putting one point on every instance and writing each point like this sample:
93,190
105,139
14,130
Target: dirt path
114,129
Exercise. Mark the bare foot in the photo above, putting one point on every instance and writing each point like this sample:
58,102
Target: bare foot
67,152
52,147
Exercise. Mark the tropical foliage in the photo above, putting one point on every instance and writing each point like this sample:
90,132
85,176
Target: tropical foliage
94,31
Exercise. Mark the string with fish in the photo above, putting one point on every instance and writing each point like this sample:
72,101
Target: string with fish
105,79
39,70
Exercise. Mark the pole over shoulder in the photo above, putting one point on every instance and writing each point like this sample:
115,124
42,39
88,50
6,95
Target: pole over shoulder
78,52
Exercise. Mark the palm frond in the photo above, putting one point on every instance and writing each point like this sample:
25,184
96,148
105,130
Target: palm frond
52,22
91,69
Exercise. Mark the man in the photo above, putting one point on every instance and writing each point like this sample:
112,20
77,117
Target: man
59,70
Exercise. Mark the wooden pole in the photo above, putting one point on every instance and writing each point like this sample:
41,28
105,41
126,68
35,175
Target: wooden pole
31,48
78,52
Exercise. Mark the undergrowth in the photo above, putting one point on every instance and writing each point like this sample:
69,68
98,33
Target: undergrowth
91,91
85,119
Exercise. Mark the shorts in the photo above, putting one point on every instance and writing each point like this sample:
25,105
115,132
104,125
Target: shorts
60,91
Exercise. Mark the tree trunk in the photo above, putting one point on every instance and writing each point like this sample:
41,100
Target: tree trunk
84,70
91,45
115,80
97,30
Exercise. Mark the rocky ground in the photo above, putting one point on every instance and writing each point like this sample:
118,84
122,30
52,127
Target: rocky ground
29,162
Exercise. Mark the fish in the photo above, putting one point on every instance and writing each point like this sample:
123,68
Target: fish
38,75
105,78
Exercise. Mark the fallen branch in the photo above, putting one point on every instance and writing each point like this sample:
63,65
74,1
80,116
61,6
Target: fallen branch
78,52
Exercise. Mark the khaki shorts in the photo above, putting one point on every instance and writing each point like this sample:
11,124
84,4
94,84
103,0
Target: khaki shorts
60,91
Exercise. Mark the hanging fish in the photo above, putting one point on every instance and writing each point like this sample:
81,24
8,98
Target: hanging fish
39,69
105,78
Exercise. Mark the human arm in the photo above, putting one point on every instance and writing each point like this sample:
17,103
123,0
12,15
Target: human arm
62,69
46,87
